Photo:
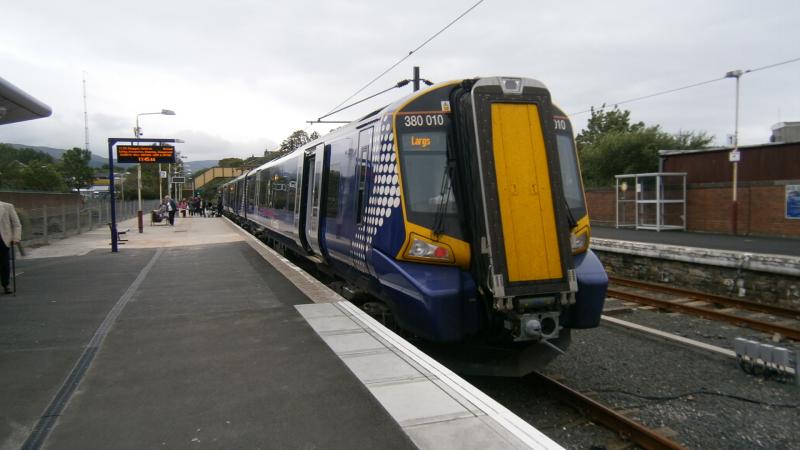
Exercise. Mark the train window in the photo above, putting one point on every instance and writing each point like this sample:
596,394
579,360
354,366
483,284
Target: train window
364,146
279,190
291,190
332,201
317,198
570,175
263,192
427,192
267,186
426,182
289,172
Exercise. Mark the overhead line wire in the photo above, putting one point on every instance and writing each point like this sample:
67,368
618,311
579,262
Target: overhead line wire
773,65
669,91
400,61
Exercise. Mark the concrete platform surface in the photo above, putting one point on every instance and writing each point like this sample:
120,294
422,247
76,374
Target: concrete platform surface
744,244
187,338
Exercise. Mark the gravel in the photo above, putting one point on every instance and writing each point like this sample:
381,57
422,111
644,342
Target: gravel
707,400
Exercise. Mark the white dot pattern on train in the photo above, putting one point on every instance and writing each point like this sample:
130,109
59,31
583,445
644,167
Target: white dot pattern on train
384,200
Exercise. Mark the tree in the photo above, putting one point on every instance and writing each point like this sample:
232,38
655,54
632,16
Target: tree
230,162
28,169
610,145
603,122
296,140
42,178
75,168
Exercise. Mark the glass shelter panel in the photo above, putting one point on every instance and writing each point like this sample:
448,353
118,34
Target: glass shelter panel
651,201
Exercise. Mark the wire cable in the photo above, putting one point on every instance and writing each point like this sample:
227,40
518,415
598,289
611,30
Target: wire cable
770,66
400,61
398,85
669,91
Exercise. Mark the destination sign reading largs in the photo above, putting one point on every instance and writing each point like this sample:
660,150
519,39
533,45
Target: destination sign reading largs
145,154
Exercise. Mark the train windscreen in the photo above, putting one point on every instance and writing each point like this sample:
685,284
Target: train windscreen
426,185
570,174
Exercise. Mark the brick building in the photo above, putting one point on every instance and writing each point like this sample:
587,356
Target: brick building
768,190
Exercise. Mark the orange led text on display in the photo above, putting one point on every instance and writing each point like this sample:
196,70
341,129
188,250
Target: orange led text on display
422,142
145,154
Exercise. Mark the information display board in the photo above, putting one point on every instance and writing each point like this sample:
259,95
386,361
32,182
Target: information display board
145,154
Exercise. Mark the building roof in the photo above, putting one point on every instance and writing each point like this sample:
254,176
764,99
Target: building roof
723,149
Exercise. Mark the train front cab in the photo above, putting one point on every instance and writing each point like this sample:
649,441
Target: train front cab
520,250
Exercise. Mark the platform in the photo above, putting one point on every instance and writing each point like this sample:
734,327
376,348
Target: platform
200,336
743,244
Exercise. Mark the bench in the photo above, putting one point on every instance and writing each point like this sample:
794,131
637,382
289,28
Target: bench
122,235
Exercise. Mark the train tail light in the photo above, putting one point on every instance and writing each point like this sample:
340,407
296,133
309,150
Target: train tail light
423,249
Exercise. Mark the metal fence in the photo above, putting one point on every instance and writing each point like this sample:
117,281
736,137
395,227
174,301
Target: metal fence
47,223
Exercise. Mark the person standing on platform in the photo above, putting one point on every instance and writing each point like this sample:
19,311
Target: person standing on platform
172,207
10,233
182,207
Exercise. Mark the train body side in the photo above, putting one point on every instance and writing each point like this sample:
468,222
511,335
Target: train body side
352,201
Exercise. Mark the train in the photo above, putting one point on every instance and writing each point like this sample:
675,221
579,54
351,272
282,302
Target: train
455,215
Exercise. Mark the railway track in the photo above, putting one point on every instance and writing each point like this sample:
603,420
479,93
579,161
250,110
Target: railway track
766,318
627,428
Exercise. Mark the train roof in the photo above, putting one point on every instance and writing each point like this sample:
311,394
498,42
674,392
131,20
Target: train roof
376,115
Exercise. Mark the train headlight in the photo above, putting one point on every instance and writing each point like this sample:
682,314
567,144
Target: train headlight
511,85
421,248
579,241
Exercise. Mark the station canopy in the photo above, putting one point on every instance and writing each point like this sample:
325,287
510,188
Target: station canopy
17,106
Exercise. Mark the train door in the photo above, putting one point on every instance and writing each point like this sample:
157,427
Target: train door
313,190
364,151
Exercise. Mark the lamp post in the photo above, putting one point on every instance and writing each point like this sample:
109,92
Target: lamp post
734,155
138,133
121,176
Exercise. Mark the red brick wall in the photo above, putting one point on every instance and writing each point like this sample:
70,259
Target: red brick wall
600,203
761,209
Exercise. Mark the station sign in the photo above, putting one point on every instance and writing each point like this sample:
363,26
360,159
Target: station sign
145,154
178,179
793,201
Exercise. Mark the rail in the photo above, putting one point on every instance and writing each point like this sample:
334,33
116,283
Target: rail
789,332
710,298
627,428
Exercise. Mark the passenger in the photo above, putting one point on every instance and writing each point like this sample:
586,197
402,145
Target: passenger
182,207
195,205
172,208
219,206
161,212
10,233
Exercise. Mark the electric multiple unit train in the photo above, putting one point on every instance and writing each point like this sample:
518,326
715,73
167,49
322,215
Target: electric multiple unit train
456,214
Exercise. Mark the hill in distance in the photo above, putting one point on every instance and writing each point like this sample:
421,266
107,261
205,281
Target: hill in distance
99,161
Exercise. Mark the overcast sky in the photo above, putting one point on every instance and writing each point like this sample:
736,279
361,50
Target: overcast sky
243,74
